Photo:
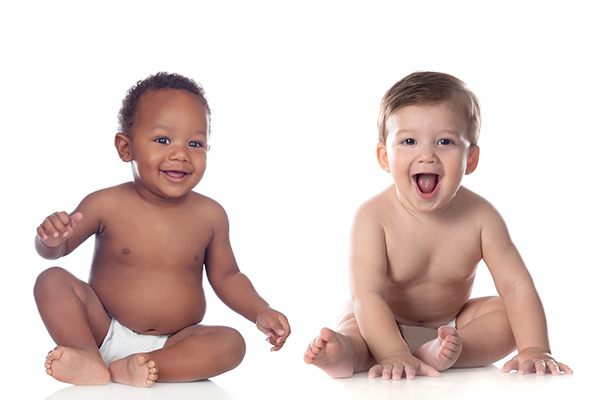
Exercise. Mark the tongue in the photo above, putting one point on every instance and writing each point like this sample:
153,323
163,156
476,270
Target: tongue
427,182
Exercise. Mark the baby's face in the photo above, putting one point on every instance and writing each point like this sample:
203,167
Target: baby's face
169,142
428,152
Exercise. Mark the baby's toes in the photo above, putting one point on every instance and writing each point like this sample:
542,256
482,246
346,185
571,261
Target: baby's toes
452,343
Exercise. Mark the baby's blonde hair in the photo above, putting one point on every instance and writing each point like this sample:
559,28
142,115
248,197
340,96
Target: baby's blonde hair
426,88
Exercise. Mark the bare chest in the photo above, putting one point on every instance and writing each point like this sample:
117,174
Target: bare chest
447,255
164,242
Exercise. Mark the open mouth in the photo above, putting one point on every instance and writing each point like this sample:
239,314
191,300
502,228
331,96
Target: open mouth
175,176
426,184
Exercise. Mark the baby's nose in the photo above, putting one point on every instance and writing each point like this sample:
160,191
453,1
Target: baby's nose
427,155
178,153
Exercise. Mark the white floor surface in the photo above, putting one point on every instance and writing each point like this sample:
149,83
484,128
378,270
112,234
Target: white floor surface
476,383
284,375
457,384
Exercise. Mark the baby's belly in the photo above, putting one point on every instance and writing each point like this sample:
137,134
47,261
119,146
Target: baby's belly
156,307
430,310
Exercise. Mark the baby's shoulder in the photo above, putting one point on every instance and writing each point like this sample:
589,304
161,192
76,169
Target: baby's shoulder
205,207
204,202
114,194
377,208
476,205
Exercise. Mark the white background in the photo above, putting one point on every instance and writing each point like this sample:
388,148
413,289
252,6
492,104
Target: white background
294,89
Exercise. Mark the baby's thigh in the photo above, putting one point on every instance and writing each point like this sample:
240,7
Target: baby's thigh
64,300
222,336
479,307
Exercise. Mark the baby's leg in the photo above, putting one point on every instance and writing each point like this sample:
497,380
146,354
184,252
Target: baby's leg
195,353
443,352
340,353
486,333
77,322
135,370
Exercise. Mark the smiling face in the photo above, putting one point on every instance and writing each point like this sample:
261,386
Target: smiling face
167,144
427,151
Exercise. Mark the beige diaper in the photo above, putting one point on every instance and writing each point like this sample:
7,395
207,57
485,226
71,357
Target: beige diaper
121,342
417,336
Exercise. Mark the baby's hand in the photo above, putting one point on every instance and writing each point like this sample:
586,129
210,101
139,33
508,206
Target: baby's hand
275,325
535,360
394,367
58,227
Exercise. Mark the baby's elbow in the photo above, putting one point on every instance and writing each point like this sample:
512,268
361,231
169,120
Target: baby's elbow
523,286
360,297
47,252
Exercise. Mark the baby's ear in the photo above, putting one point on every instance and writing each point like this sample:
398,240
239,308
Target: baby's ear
122,144
473,159
382,157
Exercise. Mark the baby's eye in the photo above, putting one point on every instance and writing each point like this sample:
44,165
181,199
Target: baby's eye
196,144
409,142
162,140
444,142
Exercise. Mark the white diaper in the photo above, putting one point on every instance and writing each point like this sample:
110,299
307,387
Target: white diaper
121,342
417,336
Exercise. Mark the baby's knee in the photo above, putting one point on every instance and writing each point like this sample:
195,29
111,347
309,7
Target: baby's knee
48,279
234,346
494,304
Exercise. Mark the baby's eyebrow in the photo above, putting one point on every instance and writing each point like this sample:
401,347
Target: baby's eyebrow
450,132
160,127
403,132
167,128
200,134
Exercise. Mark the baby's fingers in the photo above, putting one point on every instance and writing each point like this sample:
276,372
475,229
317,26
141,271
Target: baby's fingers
52,227
375,371
275,341
386,371
42,233
554,367
540,367
428,370
58,227
75,219
282,329
275,328
564,368
528,366
274,324
511,365
57,224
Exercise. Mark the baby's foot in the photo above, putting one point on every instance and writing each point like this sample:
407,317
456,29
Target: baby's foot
443,352
76,366
135,370
331,352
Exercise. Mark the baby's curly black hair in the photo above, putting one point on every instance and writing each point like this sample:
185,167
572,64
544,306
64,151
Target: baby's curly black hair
160,80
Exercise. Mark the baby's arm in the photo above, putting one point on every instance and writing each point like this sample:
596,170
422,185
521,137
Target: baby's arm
235,289
377,324
61,233
53,232
521,300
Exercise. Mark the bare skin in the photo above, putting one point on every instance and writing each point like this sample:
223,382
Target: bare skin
332,352
135,370
443,352
155,237
76,366
414,252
